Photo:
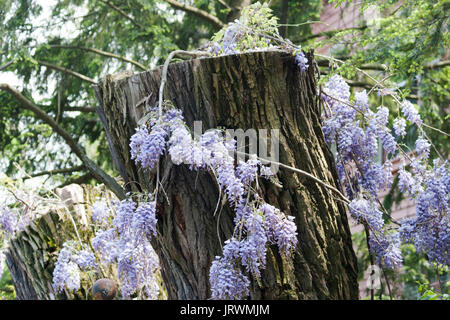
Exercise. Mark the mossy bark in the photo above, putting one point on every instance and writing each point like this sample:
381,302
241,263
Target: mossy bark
31,257
32,253
260,90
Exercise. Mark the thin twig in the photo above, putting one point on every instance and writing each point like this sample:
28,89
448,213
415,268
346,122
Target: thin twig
372,263
100,52
21,200
304,173
166,66
73,73
56,171
216,22
226,5
435,129
123,14
7,64
387,283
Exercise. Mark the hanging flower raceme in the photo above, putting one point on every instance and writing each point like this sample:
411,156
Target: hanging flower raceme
358,131
123,241
253,232
66,273
70,263
429,230
146,147
8,221
100,212
127,244
301,61
85,259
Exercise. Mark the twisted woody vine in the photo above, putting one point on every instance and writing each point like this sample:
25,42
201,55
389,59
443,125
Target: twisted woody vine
353,127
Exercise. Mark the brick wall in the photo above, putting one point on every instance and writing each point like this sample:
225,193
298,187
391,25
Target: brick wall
345,16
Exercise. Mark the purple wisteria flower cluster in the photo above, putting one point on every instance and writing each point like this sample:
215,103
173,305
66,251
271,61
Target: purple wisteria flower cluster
301,61
8,221
385,245
429,230
100,213
257,224
126,244
85,259
358,132
15,219
67,273
123,241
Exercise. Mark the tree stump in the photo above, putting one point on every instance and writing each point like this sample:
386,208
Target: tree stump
32,252
31,258
260,90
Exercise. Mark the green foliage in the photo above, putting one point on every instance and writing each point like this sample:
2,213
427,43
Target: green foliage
255,24
144,36
7,291
412,281
418,273
427,293
408,39
144,31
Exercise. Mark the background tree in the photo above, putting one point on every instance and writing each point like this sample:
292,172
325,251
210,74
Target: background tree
57,51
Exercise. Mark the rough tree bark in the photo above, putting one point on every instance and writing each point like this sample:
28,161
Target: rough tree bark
31,258
255,90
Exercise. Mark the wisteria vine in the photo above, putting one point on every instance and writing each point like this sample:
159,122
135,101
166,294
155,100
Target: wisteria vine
122,240
357,131
257,224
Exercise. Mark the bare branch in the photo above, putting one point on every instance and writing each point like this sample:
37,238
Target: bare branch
216,22
81,109
436,129
284,18
226,5
73,73
68,109
6,65
96,171
381,67
368,66
92,120
100,52
440,64
56,171
329,33
123,13
304,173
80,180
